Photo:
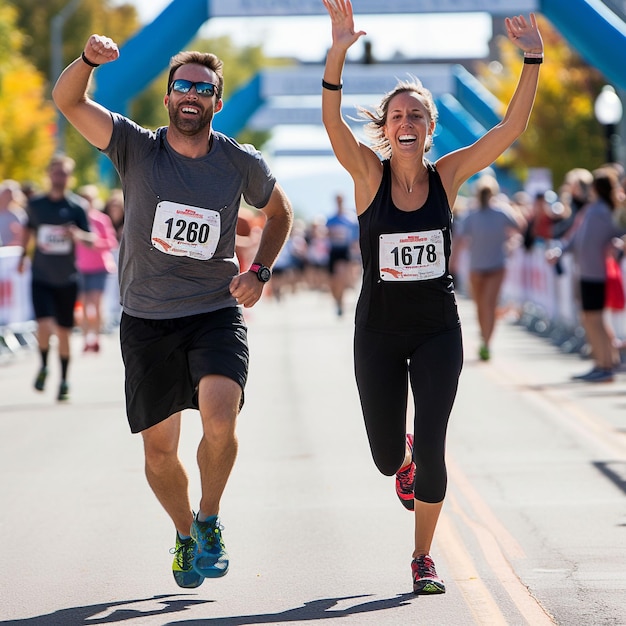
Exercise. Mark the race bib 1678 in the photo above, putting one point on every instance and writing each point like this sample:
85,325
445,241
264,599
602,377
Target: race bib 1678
412,256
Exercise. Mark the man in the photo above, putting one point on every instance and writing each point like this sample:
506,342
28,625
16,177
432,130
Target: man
182,332
56,220
343,233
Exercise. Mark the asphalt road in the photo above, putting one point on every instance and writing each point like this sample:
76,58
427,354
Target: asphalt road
533,529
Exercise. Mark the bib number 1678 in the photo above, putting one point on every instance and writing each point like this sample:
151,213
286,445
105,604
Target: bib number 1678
407,256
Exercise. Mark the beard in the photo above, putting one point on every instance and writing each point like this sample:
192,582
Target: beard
190,126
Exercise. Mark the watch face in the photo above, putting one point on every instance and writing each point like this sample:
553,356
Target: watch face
264,274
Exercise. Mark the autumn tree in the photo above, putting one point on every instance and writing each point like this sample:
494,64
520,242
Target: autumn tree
83,17
26,117
563,132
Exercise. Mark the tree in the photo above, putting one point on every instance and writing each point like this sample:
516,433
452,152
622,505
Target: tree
90,16
26,117
34,18
563,132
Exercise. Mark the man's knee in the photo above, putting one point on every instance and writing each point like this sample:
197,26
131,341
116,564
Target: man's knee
220,400
160,443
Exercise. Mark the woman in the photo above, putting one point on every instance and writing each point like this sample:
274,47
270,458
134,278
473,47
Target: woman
590,243
487,230
407,325
95,263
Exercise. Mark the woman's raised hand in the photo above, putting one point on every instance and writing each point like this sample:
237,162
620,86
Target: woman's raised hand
342,18
523,34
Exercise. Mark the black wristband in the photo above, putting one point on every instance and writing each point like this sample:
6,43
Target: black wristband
533,60
87,61
330,86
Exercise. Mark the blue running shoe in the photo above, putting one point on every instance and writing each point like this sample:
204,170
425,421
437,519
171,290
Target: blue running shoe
210,559
182,566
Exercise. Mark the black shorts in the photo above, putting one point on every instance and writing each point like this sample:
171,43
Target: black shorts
56,302
337,254
165,360
592,295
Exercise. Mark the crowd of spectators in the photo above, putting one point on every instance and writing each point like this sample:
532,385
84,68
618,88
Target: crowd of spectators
489,228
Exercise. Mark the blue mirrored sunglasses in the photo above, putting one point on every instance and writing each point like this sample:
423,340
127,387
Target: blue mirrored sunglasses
181,85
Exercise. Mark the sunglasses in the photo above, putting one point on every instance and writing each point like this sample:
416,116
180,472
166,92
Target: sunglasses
180,85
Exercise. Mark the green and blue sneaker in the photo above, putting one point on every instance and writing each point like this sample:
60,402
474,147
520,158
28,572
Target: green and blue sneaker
182,567
40,381
64,392
210,559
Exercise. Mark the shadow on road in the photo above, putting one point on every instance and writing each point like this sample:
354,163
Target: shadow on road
114,613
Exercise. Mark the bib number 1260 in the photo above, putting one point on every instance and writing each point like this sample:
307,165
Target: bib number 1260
189,231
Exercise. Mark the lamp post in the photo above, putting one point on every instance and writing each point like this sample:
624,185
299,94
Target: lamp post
56,60
608,110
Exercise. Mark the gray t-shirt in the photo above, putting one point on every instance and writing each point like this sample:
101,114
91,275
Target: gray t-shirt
177,253
592,240
487,229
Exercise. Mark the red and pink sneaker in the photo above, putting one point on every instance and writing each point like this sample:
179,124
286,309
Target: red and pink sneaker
425,579
405,480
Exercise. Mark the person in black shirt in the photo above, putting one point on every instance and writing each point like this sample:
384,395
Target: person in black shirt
407,325
56,220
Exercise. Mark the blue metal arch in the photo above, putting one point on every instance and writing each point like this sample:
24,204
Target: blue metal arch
590,27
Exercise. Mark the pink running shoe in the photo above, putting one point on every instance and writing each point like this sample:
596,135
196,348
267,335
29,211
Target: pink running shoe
425,579
405,480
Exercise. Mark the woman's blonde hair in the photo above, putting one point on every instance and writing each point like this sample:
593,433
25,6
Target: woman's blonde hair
378,118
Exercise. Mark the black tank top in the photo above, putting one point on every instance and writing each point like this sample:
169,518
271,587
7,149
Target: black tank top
407,286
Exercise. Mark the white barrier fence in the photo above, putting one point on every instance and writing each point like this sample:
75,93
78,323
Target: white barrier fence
546,299
17,320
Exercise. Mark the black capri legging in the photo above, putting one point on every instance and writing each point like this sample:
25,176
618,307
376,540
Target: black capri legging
384,365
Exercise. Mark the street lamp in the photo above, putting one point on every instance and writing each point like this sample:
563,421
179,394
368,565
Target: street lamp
56,60
608,110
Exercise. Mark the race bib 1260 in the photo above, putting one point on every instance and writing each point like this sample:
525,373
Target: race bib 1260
412,256
183,230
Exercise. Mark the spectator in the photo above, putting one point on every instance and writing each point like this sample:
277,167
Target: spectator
114,208
590,243
95,263
12,214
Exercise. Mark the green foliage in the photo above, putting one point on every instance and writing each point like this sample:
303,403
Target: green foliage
30,33
563,132
26,117
35,18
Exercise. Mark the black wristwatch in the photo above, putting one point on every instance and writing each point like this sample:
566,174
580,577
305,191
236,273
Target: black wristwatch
262,273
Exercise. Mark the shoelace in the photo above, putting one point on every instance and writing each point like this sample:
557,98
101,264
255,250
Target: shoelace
406,478
213,535
184,554
424,567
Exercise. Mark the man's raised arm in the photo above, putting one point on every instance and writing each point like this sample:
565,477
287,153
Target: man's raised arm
89,118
